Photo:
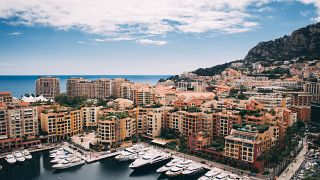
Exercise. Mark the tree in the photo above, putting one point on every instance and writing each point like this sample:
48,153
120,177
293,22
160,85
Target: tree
102,102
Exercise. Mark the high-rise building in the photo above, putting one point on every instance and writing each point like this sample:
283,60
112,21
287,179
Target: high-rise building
61,123
80,87
49,87
5,97
17,126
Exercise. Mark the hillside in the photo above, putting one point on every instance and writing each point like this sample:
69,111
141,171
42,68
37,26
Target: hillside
304,42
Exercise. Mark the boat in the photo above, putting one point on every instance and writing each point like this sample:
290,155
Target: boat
177,170
11,159
211,174
64,164
168,166
192,169
59,153
18,155
174,171
124,156
221,176
149,158
26,154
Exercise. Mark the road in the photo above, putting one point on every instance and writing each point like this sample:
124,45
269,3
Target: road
294,166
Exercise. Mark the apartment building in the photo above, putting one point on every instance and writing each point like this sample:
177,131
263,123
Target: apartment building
272,100
81,87
174,120
224,121
246,144
116,86
141,94
141,119
311,87
49,87
90,116
5,97
304,99
17,126
303,112
154,122
114,127
61,123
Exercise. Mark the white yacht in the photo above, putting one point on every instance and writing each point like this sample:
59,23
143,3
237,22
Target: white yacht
26,154
211,174
221,176
68,164
58,153
174,171
124,156
11,159
168,166
177,170
192,169
18,155
149,158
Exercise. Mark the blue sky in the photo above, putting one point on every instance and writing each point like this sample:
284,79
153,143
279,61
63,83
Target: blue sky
139,36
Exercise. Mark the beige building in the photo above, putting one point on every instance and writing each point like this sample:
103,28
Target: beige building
90,116
80,87
61,123
18,122
114,127
49,87
154,122
5,97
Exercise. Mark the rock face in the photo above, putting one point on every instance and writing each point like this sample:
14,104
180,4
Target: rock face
304,42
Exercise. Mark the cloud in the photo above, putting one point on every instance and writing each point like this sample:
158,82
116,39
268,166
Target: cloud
137,19
150,42
81,42
15,34
316,4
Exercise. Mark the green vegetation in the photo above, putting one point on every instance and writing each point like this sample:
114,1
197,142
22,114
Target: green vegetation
218,143
191,109
74,102
283,150
102,102
262,128
214,70
277,73
118,115
168,133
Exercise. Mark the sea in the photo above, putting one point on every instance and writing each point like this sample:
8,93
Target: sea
20,85
39,168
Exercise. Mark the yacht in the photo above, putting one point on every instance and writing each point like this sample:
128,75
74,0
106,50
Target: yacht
124,156
192,169
68,164
11,159
168,166
221,176
58,153
174,171
26,154
177,170
149,158
211,174
18,155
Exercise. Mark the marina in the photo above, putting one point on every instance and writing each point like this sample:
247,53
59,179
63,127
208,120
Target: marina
151,159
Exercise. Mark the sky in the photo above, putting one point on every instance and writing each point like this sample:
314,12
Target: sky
129,37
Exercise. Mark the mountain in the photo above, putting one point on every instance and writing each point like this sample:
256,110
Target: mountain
304,42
